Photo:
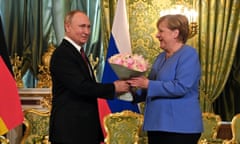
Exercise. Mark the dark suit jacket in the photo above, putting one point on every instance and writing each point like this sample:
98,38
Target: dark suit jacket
74,116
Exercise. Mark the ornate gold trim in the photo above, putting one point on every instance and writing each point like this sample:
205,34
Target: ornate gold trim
120,117
4,140
235,130
27,123
217,119
16,62
44,76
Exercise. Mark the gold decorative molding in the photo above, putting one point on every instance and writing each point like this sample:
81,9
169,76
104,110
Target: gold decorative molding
193,29
44,77
94,64
16,62
4,140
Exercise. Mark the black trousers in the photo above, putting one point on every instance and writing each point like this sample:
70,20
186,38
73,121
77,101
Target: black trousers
158,137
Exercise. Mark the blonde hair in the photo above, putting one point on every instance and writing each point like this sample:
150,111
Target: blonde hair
179,22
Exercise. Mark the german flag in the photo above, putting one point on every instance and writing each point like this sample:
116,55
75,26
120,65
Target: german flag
11,114
3,48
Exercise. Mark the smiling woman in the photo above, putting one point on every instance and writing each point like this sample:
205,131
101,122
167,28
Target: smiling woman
172,87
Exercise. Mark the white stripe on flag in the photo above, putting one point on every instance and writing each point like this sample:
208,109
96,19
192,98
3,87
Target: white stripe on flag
120,28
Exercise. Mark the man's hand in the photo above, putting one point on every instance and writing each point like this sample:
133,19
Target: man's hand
121,86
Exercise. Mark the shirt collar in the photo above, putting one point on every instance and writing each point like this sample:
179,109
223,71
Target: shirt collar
78,47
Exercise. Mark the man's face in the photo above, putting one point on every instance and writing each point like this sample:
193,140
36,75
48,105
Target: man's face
79,28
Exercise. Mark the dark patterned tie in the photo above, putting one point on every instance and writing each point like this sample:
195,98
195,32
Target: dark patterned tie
84,56
86,61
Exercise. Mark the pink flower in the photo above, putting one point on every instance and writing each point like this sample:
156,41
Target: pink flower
133,62
118,61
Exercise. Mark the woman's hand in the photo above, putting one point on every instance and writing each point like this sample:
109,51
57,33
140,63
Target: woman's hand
139,82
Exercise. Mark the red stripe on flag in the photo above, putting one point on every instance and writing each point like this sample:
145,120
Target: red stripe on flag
103,111
10,105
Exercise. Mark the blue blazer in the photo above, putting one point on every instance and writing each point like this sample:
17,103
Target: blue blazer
172,97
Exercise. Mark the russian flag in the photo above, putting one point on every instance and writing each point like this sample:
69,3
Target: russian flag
119,43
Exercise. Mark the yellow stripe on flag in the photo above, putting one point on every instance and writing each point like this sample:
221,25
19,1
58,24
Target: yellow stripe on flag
3,128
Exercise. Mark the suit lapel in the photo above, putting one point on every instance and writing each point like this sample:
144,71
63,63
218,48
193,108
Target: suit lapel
87,70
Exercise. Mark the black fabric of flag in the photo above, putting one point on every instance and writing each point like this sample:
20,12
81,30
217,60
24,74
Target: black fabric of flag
3,48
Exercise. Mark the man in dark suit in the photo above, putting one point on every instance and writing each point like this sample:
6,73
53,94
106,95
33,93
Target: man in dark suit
74,116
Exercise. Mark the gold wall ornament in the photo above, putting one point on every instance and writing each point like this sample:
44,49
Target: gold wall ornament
45,140
4,140
44,77
94,64
46,102
16,62
193,29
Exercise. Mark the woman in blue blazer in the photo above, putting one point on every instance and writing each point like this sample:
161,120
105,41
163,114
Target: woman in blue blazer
171,92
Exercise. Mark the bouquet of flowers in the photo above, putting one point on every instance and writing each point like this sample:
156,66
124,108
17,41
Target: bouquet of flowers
126,66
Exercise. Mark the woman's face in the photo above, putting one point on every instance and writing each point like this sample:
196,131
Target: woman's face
166,36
